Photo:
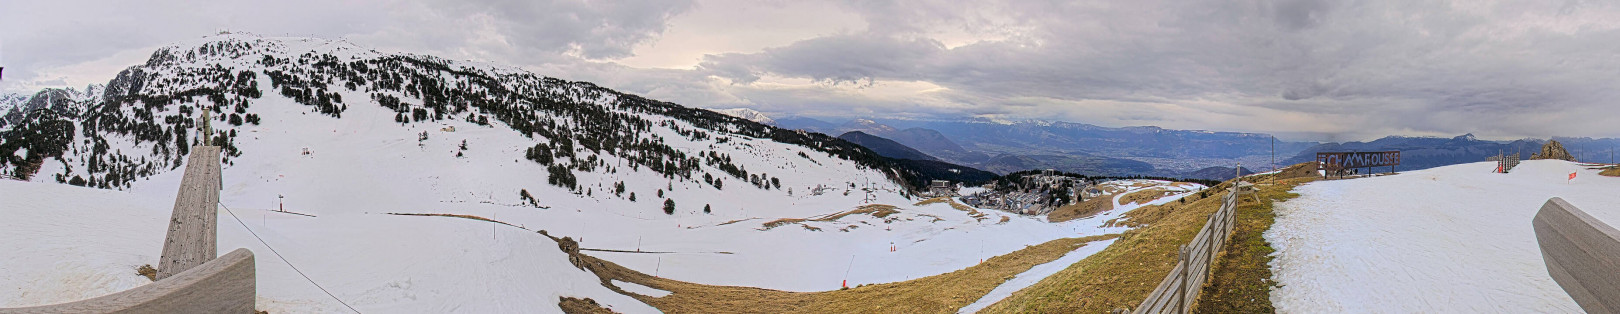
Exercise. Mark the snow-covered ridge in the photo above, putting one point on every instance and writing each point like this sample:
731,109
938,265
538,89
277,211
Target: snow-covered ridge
231,73
747,114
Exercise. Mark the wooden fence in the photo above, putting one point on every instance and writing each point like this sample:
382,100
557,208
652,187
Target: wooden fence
1179,290
189,278
222,285
1582,254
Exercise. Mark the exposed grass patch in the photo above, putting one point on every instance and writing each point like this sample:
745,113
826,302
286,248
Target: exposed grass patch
972,212
781,222
1084,208
944,293
1611,171
1144,196
460,216
935,200
1240,281
1123,274
147,271
876,210
582,306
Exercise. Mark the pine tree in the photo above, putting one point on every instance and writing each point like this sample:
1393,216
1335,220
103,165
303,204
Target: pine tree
705,208
669,206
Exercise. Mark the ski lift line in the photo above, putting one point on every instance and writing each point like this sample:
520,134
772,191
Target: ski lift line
284,259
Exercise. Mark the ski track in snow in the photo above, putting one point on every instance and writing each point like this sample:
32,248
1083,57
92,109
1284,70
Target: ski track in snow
1448,239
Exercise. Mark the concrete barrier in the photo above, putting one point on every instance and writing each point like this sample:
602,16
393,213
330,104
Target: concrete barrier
223,285
1582,255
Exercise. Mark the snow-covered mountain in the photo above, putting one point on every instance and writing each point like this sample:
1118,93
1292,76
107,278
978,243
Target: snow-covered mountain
147,117
747,114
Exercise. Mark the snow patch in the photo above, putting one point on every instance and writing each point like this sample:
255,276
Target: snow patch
1035,274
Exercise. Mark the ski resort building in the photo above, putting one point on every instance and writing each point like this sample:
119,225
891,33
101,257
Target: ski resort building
939,188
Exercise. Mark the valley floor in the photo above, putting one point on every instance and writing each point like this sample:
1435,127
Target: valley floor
1448,239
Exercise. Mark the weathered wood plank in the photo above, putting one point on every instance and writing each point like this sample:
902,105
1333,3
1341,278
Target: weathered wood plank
223,285
1582,254
191,239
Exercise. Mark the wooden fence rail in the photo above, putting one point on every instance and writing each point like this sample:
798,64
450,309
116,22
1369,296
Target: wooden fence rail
222,285
1582,254
1179,290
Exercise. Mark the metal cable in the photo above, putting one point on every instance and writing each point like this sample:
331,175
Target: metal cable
284,259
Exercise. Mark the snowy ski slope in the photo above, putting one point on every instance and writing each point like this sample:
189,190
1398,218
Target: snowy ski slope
1454,239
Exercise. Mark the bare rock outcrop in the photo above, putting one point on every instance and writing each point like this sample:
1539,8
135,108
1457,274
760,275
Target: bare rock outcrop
1553,150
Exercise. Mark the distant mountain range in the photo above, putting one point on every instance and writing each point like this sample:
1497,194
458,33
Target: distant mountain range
1429,152
1218,173
884,147
1004,147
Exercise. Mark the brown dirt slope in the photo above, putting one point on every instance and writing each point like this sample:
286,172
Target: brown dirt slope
944,293
1122,275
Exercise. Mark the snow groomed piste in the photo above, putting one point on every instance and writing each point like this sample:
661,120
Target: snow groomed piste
1449,239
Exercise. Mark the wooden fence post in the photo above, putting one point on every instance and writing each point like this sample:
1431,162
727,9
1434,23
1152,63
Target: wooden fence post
1186,265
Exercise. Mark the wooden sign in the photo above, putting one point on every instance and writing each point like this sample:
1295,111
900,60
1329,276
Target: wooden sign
1349,160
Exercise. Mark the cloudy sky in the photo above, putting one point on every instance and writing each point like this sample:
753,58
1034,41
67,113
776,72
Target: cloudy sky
1303,69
